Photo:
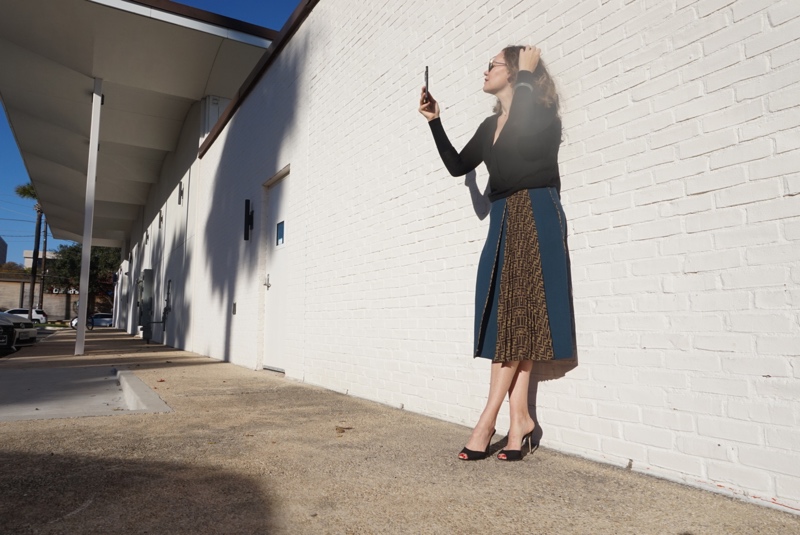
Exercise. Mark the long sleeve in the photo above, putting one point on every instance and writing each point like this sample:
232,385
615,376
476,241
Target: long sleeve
458,164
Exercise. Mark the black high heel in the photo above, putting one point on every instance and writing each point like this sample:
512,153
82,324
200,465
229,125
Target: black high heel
516,455
472,455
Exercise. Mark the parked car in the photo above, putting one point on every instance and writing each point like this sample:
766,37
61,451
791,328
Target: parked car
39,315
15,332
103,319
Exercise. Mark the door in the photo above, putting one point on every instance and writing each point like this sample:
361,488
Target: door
278,237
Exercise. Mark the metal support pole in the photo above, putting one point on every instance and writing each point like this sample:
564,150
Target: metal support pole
44,265
88,216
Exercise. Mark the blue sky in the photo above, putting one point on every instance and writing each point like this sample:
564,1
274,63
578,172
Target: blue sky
17,217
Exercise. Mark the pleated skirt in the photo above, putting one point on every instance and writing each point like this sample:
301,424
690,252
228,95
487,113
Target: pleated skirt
523,297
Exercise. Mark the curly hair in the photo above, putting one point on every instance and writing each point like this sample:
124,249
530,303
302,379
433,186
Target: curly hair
547,94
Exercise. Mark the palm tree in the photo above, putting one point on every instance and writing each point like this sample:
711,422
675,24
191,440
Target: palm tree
27,191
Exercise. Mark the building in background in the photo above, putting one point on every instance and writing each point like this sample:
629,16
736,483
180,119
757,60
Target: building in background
27,257
3,251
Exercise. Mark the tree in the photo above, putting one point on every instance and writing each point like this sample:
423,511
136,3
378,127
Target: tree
65,273
12,270
27,191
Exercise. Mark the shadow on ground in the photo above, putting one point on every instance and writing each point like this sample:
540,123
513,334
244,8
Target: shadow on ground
83,494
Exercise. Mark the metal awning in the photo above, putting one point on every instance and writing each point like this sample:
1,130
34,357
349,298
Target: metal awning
155,59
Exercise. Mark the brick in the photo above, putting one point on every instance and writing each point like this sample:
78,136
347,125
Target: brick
772,299
762,411
755,277
681,169
744,8
661,379
617,340
675,134
691,282
772,254
711,385
707,7
779,165
706,143
783,12
641,396
683,244
628,114
587,441
647,435
703,105
728,474
757,366
772,39
600,272
704,448
634,251
657,266
778,462
738,114
668,26
599,427
696,322
613,54
646,56
753,68
733,35
648,124
631,182
720,301
663,341
699,32
778,345
589,224
623,151
677,462
685,93
787,98
736,431
652,16
784,55
624,449
748,193
778,389
642,322
695,403
787,487
634,216
761,323
618,411
783,438
787,141
651,158
728,217
711,64
769,83
770,124
656,229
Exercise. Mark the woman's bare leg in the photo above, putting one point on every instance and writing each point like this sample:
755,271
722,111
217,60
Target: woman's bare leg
502,376
520,416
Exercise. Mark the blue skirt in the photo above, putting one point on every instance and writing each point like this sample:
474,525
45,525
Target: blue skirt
523,297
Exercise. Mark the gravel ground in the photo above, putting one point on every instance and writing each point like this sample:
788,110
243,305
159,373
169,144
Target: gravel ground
252,452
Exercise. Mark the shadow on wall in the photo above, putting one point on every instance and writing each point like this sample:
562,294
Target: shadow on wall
480,200
81,494
252,153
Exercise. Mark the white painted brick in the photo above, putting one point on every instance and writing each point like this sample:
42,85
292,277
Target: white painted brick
707,7
647,435
661,303
663,341
592,223
783,164
749,235
787,487
701,106
783,438
664,192
699,31
651,159
752,365
608,237
645,397
624,150
634,216
623,84
600,427
685,464
745,8
631,182
696,403
618,412
691,282
628,114
787,141
737,431
748,193
778,345
728,217
675,134
733,35
682,244
727,474
772,39
646,56
654,267
769,124
686,93
753,68
784,99
773,254
711,64
769,83
712,385
761,323
720,301
616,340
624,449
668,27
732,343
783,12
716,261
703,448
779,389
652,16
581,439
755,277
648,124
661,379
738,114
711,181
763,412
606,271
784,55
657,229
775,461
772,299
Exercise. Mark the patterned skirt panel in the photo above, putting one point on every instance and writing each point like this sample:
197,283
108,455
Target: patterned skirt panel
523,305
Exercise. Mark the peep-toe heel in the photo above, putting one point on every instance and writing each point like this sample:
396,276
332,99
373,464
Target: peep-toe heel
472,455
516,455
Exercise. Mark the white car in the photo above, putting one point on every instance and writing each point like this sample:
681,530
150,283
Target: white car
39,315
15,332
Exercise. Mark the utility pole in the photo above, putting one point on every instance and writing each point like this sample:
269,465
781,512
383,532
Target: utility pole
38,209
44,265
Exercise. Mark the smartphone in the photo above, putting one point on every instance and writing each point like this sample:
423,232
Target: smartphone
426,84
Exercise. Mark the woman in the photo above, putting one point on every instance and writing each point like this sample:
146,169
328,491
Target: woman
523,304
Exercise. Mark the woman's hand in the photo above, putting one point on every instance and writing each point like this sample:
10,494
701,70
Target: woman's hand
529,58
429,109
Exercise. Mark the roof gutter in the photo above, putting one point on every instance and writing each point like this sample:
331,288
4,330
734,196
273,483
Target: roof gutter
289,29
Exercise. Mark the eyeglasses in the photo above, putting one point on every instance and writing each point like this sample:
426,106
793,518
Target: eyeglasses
493,64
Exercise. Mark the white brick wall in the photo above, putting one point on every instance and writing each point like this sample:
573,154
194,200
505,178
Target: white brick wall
679,171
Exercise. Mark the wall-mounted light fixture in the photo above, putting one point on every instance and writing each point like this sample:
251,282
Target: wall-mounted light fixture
180,192
248,219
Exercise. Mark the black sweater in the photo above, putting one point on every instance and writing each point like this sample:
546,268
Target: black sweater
525,155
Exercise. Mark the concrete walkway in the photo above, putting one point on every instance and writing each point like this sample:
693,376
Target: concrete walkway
251,452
